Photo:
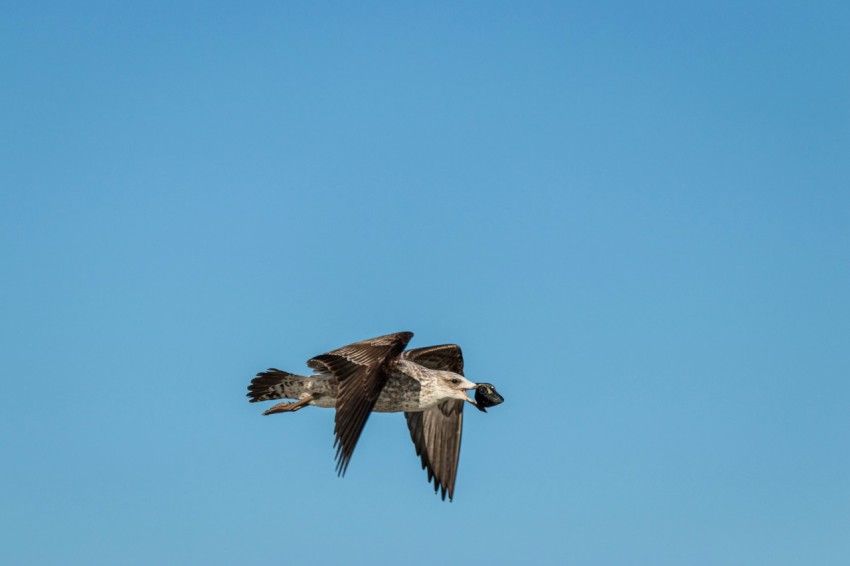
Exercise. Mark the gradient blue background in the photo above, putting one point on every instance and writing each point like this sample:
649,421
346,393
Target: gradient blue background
634,217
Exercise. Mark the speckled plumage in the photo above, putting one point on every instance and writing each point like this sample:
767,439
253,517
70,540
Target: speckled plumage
409,387
378,375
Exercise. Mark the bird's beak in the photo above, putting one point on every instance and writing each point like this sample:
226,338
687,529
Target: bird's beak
468,398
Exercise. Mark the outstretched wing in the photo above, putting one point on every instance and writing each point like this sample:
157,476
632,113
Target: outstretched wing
436,432
447,357
359,369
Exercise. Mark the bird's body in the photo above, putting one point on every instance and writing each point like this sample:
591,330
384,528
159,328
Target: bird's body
410,387
378,375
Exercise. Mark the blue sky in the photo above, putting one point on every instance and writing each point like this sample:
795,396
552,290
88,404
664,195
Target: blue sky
635,219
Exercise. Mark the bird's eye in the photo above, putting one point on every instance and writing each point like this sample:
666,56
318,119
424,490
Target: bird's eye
455,380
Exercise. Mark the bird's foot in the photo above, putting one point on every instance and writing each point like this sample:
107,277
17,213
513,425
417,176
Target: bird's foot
289,407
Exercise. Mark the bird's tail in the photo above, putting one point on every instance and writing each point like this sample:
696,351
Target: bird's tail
276,384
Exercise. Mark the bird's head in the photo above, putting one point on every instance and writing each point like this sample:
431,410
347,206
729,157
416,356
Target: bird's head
455,385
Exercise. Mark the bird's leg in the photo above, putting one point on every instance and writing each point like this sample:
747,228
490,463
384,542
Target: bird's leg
289,407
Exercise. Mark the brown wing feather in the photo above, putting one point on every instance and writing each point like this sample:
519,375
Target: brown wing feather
436,434
359,369
446,357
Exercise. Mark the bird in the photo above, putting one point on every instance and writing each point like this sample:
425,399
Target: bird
379,375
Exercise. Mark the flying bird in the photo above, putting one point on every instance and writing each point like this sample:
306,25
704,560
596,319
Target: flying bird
379,375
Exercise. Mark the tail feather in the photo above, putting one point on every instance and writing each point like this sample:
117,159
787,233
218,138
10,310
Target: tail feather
272,384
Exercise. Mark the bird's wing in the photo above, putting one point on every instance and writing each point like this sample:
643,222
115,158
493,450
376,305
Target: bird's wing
358,368
436,432
447,357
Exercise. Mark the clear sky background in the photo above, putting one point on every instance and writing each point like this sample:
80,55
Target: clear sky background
634,217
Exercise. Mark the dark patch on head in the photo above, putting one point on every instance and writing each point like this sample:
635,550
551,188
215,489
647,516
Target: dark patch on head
487,396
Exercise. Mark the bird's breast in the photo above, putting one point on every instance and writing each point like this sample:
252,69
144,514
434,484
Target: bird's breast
404,392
